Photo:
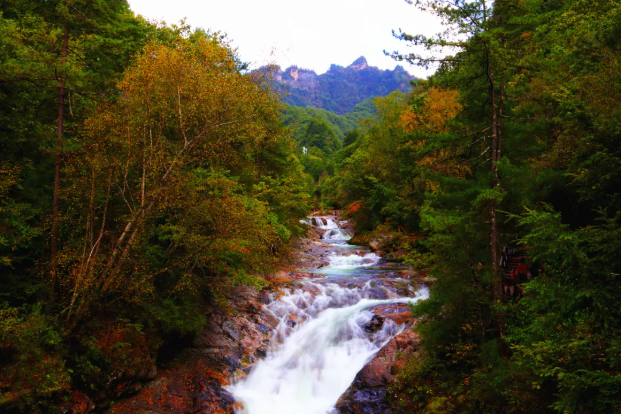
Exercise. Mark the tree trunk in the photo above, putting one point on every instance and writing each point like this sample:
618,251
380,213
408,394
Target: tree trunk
501,99
59,151
497,284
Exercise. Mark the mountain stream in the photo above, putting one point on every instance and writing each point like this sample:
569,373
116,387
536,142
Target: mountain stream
327,329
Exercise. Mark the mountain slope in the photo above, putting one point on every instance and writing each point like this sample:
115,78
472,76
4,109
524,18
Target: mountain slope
339,89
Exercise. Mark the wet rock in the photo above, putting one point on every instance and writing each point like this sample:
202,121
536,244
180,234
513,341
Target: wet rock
79,403
229,327
377,293
399,313
212,398
312,289
368,392
265,297
263,328
374,324
262,351
369,401
294,320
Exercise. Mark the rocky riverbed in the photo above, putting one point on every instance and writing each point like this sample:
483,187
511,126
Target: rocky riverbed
327,336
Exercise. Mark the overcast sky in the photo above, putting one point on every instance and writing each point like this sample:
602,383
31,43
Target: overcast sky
310,34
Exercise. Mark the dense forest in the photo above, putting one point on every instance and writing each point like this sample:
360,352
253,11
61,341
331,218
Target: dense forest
513,143
145,170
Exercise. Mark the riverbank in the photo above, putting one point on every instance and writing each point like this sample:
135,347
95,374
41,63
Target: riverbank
323,274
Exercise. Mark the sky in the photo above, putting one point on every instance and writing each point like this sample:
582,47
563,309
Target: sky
311,34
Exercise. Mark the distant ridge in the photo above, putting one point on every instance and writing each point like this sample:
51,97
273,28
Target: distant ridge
339,89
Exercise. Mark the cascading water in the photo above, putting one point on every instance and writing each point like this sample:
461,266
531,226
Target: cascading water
353,261
321,343
333,231
336,234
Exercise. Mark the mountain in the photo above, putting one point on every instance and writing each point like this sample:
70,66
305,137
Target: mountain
339,89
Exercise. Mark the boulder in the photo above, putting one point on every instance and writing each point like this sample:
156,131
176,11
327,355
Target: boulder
230,342
369,391
399,313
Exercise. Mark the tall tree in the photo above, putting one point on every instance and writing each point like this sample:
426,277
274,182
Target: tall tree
482,56
78,48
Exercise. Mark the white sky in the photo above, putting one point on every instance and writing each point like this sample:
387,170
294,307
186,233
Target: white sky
311,34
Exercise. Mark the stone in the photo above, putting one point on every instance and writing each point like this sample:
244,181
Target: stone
399,313
368,392
80,403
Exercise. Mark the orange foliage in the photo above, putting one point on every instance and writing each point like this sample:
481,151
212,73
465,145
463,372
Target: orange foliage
441,105
444,162
354,206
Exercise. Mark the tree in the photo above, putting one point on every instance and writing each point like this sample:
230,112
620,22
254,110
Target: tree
480,55
70,53
183,107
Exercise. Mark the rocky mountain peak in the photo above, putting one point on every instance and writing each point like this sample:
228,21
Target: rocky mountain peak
339,89
360,63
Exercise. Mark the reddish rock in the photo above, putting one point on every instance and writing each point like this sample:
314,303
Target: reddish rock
368,392
80,403
294,320
399,313
196,382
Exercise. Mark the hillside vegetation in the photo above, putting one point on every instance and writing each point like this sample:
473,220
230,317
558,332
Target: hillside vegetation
145,172
340,89
513,143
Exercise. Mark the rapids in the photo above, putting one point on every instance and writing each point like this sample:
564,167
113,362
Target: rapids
321,341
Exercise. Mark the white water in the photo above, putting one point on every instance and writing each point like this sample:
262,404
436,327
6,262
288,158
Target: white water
330,224
333,232
336,234
319,344
353,261
317,362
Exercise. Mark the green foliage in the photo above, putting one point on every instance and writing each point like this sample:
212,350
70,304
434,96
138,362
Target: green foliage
30,352
426,165
567,330
319,134
167,137
16,230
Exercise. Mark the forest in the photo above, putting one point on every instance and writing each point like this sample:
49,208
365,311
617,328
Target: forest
145,170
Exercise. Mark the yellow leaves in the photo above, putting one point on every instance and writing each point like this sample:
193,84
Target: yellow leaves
444,162
440,106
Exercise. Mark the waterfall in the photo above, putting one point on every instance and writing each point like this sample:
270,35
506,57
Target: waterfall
333,231
336,234
353,260
318,359
321,341
318,222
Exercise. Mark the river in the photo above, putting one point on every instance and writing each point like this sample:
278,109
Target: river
328,329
